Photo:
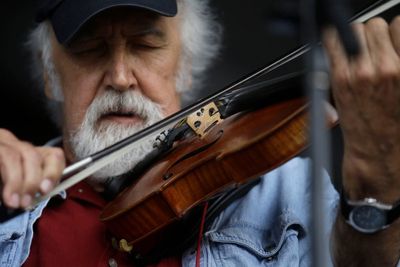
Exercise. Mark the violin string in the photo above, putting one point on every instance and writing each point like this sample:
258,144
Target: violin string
376,11
366,10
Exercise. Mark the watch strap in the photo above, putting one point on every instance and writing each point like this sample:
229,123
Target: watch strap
394,213
345,208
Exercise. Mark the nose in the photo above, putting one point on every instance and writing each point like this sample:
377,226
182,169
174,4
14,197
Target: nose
119,74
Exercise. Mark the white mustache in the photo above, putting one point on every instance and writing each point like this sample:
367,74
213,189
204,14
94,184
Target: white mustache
126,103
92,137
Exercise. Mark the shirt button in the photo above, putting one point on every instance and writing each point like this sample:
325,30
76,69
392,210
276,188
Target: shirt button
80,190
270,258
112,263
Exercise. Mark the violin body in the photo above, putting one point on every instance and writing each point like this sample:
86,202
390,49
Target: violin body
240,148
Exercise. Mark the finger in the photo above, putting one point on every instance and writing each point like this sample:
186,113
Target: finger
331,114
361,67
334,48
383,53
339,68
11,176
53,165
394,30
6,136
32,171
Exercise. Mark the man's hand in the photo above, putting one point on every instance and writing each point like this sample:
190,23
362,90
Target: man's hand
26,169
367,95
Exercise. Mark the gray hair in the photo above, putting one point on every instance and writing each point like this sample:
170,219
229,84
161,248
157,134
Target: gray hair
200,35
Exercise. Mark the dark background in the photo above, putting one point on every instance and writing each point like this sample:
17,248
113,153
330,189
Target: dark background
248,44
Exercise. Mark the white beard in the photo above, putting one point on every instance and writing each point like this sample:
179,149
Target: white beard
95,135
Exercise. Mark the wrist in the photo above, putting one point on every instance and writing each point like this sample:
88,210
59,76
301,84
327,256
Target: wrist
370,178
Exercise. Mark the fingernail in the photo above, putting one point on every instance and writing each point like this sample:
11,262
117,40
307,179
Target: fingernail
26,200
46,185
14,201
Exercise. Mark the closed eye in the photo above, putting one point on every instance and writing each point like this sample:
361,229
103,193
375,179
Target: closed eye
88,48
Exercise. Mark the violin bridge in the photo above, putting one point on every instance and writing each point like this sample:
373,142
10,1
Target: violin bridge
203,119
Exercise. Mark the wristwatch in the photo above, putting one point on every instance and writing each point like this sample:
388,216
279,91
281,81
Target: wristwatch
369,215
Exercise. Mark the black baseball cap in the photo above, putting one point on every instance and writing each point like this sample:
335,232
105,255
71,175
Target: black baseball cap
68,16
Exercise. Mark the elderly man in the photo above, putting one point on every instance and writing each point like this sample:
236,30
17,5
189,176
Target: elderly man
115,67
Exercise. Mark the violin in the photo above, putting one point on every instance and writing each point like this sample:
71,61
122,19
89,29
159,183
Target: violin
222,142
236,150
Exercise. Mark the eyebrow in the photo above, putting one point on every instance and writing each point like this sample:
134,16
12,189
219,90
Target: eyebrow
148,31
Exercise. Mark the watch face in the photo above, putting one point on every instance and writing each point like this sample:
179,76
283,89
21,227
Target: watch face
368,218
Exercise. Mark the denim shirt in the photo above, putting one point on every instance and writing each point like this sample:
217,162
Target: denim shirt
16,236
269,226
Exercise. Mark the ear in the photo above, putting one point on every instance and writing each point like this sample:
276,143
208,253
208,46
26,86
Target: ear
47,88
45,76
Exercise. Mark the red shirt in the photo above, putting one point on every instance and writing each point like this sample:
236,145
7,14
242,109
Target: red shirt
69,233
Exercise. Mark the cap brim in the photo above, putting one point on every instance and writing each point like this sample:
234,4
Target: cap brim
71,15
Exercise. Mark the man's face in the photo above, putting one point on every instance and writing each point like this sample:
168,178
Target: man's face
121,50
